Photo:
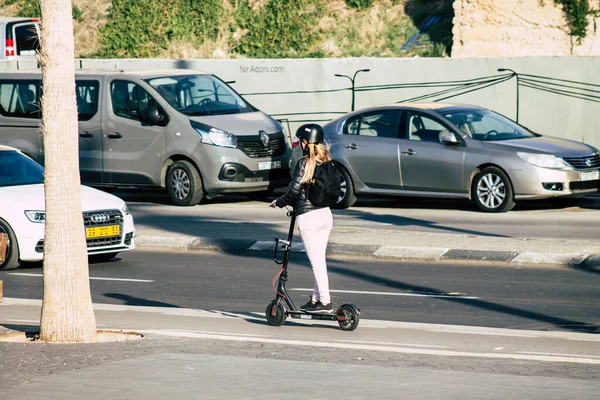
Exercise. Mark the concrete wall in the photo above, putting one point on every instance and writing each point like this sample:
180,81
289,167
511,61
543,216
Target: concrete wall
543,112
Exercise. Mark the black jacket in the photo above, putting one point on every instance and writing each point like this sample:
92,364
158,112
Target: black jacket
296,195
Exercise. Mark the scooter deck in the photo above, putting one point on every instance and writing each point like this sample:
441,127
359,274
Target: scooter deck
330,316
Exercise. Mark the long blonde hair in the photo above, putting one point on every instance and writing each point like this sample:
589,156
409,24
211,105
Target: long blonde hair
317,154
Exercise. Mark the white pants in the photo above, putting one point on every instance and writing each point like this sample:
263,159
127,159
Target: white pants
315,227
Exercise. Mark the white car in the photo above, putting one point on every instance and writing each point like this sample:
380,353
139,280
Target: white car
108,223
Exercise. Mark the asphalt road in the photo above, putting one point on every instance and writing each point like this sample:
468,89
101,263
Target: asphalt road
237,217
488,295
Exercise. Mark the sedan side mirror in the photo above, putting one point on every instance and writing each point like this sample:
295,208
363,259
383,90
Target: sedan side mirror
446,137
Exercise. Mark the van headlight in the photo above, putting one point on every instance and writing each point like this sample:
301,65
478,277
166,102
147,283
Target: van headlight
214,136
543,160
38,217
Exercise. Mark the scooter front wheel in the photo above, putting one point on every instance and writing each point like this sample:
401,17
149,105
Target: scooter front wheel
275,316
347,318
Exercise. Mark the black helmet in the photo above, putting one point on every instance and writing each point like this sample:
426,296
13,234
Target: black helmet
313,133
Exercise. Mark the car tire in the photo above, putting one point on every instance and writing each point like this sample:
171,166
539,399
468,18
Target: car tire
348,198
11,260
491,190
184,184
102,258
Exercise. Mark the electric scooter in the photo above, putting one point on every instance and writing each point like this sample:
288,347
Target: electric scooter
282,306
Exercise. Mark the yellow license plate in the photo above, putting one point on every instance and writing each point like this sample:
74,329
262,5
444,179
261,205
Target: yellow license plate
102,231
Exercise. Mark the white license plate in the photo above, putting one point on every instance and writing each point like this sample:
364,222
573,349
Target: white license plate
589,175
269,165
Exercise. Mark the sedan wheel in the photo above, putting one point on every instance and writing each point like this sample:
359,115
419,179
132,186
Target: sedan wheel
11,257
184,184
492,191
347,199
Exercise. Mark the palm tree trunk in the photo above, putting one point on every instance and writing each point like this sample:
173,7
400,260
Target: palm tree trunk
67,312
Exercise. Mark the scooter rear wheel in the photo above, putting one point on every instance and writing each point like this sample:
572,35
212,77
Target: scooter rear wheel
349,320
278,317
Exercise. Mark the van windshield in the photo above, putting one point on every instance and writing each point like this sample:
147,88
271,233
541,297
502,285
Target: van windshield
199,95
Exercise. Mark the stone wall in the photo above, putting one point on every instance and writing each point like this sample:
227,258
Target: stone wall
517,28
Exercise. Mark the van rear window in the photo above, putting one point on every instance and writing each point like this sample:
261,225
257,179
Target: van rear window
27,40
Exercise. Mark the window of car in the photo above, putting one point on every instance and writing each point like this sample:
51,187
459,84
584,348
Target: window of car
129,100
424,128
86,92
487,125
20,98
26,38
375,124
18,169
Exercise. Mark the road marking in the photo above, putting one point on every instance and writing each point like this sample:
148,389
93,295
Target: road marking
447,295
559,354
391,344
482,333
350,346
91,278
217,333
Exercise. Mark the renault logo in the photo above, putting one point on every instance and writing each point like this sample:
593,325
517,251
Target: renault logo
100,218
264,138
588,162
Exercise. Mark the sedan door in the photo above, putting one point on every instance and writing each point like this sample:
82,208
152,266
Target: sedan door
427,164
369,143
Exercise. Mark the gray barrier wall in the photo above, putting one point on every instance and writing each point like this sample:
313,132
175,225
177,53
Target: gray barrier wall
564,109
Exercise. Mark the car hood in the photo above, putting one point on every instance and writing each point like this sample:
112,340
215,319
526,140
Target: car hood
31,197
243,124
543,144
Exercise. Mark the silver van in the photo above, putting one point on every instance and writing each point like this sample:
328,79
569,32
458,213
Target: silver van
20,38
183,130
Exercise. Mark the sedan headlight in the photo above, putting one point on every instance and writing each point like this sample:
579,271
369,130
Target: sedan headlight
125,209
215,136
543,160
38,217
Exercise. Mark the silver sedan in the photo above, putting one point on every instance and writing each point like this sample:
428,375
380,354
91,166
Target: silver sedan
456,151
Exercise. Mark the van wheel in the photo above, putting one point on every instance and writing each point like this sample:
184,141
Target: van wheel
347,199
184,184
492,191
11,258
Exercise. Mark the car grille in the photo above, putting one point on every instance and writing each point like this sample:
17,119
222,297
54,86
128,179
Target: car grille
114,218
587,162
253,147
586,185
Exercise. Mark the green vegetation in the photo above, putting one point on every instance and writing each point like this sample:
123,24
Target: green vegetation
28,8
144,28
577,13
278,29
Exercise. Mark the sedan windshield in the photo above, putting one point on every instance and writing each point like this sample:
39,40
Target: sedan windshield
487,125
199,95
18,169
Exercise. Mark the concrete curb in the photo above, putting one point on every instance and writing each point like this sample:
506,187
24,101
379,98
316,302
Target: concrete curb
582,260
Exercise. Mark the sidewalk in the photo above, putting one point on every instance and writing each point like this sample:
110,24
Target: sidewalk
403,245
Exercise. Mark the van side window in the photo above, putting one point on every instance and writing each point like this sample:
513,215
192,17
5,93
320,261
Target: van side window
26,39
87,99
131,101
20,99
